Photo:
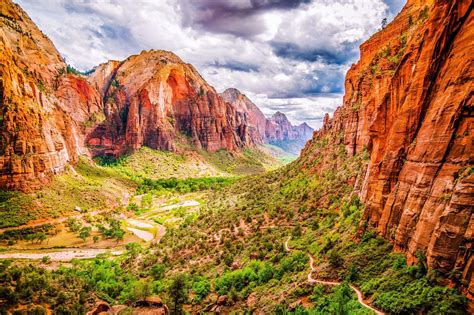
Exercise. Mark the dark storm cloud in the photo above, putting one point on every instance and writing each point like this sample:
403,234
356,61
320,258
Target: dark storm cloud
395,5
238,17
347,51
328,81
116,32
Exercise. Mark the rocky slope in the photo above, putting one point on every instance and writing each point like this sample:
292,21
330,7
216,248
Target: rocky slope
409,105
248,112
275,130
50,116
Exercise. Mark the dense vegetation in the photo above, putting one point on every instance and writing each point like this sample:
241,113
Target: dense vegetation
234,247
37,233
147,163
10,207
92,186
183,185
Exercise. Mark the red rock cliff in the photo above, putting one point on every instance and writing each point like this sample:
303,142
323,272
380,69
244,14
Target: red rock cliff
409,103
153,98
50,117
38,136
249,112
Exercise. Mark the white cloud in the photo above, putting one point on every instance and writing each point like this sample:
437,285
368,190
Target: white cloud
299,109
317,43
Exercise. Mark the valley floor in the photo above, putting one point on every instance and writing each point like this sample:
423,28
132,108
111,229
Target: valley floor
279,242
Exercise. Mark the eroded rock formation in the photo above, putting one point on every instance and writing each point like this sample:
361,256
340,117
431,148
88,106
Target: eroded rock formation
153,98
409,103
275,130
37,135
50,115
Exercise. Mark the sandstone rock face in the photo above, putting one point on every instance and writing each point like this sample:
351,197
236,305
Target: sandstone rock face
248,111
37,135
275,130
50,117
152,98
409,103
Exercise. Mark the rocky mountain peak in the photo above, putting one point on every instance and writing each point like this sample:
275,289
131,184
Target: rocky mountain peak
276,130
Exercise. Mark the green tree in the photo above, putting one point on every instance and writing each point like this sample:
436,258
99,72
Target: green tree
41,237
422,267
201,287
335,259
46,260
341,297
158,271
178,294
297,231
85,232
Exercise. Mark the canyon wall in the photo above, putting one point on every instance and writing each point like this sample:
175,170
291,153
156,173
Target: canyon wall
275,130
37,135
157,100
51,114
409,104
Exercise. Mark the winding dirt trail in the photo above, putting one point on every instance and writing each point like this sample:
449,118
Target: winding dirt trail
312,280
144,235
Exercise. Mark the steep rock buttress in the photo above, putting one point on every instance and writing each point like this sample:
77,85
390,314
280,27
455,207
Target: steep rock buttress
409,104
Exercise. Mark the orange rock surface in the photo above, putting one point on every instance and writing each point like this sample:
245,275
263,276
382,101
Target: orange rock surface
37,136
50,117
152,97
409,103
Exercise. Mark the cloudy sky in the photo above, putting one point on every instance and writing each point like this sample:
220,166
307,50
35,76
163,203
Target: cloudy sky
286,55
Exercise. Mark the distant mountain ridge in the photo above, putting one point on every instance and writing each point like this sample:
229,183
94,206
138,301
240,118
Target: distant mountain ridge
276,130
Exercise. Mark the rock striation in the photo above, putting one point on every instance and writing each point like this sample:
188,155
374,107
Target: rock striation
409,105
275,130
248,112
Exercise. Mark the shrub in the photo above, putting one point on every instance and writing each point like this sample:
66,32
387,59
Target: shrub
257,272
368,235
335,259
85,232
158,271
178,293
46,260
70,69
424,13
400,262
184,185
201,287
